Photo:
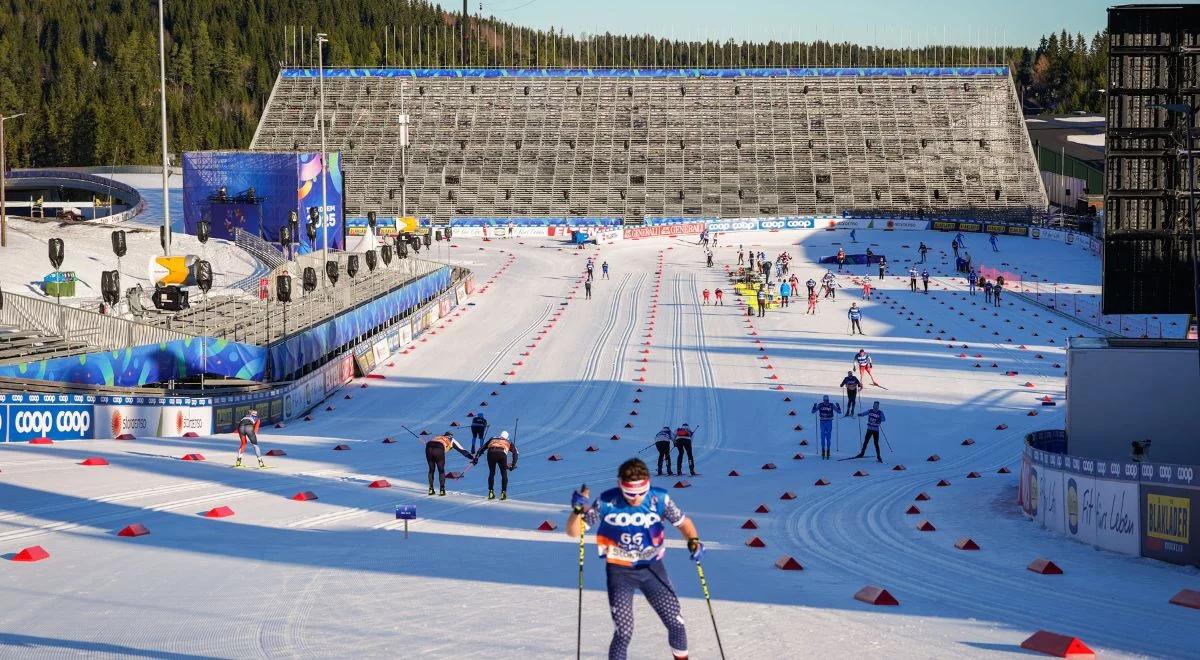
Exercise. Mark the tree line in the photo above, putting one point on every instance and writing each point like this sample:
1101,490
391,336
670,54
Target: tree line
86,74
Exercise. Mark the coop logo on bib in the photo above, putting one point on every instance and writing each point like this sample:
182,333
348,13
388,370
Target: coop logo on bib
639,519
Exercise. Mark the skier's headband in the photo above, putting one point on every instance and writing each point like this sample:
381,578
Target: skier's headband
635,489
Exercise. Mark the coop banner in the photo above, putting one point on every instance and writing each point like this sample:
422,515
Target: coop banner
257,191
46,417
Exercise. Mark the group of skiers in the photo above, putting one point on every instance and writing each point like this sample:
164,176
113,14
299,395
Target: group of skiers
497,449
591,269
681,439
991,290
825,411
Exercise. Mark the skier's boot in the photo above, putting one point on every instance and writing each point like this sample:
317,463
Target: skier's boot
878,459
692,470
431,490
442,492
238,462
261,463
660,473
491,494
503,495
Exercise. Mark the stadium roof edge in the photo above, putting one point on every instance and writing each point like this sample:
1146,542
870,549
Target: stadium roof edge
607,72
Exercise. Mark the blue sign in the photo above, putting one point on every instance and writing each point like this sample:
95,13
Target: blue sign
406,512
652,72
54,421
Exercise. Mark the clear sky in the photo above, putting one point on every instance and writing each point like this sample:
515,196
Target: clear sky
883,22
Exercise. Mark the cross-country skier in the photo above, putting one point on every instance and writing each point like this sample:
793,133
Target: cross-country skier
785,292
841,258
587,290
591,265
852,386
812,302
882,267
825,409
853,236
812,285
435,457
864,362
741,258
604,270
996,292
912,279
631,537
992,240
922,250
247,431
954,246
875,417
683,442
971,277
987,290
925,278
705,295
479,426
720,295
497,450
830,284
662,442
866,289
855,316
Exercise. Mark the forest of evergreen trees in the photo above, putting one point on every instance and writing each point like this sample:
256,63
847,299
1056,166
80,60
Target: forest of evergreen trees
86,71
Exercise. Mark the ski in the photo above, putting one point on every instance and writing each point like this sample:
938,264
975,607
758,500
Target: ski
879,386
850,458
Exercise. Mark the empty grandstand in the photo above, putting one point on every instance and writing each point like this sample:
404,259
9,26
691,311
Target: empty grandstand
636,144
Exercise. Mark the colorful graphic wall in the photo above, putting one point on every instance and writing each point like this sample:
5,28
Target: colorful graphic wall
282,182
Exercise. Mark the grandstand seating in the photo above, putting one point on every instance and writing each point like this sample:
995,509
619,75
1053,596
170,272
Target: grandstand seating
629,144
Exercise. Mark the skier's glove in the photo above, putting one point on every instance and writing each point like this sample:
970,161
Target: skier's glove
696,548
512,467
579,502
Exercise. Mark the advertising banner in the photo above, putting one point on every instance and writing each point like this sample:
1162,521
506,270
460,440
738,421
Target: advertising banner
338,373
256,192
1168,530
57,421
1117,516
136,419
1080,500
176,421
633,233
1050,500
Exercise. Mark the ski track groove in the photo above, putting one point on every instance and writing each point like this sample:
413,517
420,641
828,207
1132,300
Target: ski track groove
565,413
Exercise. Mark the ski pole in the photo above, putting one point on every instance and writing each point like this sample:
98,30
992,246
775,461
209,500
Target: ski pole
579,619
711,615
885,439
410,431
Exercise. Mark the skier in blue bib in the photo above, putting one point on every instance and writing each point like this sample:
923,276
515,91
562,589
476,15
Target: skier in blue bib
875,418
631,537
825,410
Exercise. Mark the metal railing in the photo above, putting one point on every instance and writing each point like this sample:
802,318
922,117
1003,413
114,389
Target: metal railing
262,250
81,330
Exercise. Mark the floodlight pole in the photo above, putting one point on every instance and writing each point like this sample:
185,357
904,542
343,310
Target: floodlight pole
321,40
162,74
3,172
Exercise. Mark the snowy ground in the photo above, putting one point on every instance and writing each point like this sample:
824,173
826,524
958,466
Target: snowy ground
335,577
88,252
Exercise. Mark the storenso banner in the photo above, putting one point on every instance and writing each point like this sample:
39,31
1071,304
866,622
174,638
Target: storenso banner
144,417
